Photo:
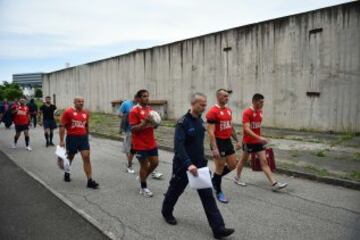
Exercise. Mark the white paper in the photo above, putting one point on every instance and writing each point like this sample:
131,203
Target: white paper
203,180
61,153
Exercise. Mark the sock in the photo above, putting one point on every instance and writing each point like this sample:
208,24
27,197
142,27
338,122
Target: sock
51,136
274,184
27,140
143,184
47,137
216,180
225,171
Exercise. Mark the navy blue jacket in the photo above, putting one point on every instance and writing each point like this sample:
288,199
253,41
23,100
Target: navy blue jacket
189,142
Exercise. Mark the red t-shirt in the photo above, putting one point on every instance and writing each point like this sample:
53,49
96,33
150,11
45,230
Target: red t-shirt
254,118
144,139
75,121
21,117
221,117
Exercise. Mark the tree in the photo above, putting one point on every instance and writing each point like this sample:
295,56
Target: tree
38,93
10,91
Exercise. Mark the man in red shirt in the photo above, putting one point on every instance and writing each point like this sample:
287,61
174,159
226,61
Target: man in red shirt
21,118
143,139
253,142
221,130
76,122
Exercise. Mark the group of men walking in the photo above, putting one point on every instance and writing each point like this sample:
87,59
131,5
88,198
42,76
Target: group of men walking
139,141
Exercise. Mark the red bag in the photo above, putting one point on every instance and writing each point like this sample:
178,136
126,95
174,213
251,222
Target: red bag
255,161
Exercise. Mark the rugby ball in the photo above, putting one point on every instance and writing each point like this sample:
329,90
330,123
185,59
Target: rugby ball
155,117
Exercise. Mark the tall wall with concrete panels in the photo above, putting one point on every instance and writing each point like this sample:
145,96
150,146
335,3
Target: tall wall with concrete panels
307,66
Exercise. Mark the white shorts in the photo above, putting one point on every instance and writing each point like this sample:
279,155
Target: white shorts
127,143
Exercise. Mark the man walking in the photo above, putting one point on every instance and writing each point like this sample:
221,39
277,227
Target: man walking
47,110
33,110
143,139
220,130
253,142
125,127
189,156
75,120
21,118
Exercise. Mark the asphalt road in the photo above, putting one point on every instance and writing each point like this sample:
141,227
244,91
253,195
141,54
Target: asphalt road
305,210
29,211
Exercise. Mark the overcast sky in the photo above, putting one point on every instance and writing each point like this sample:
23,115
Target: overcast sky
42,35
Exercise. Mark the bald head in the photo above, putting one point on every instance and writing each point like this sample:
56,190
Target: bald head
79,102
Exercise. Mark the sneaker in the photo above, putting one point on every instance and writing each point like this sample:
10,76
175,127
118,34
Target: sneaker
223,232
146,192
67,177
130,170
239,182
47,144
221,197
278,186
156,175
13,146
92,184
51,144
169,218
28,148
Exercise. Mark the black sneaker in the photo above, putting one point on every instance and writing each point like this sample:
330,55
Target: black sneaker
51,144
224,232
67,177
169,218
92,184
47,144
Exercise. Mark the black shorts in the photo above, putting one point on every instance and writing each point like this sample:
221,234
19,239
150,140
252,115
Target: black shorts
253,147
21,128
225,146
144,154
77,143
49,123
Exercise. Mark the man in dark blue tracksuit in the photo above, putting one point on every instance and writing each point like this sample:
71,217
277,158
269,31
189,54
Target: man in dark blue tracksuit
189,155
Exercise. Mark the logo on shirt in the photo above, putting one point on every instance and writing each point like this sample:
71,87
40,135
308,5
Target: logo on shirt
229,112
221,113
142,112
225,125
75,113
84,115
77,124
255,125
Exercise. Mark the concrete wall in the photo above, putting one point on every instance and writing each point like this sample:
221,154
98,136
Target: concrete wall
284,58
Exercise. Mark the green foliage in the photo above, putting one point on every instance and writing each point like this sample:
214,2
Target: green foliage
38,93
10,91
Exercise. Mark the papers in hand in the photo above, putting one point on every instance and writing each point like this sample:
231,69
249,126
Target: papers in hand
203,180
61,153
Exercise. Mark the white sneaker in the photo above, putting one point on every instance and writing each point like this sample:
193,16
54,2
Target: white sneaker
239,182
146,192
156,175
13,146
279,186
28,148
130,170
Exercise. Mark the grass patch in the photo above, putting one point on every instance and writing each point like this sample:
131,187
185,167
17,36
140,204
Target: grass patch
318,171
356,157
343,138
320,154
294,153
355,175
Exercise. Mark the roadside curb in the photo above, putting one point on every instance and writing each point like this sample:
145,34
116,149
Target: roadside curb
67,202
328,180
